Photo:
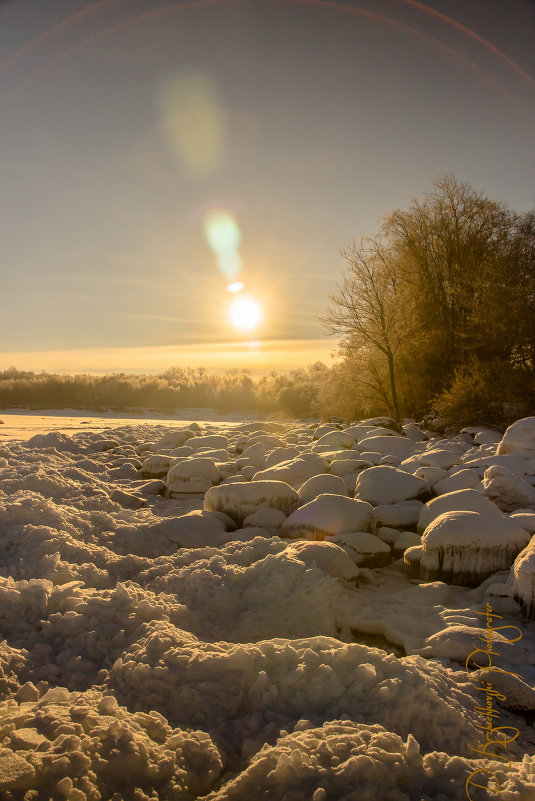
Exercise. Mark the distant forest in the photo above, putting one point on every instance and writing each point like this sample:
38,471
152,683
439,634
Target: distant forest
295,394
434,314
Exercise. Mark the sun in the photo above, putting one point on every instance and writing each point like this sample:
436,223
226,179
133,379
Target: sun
245,313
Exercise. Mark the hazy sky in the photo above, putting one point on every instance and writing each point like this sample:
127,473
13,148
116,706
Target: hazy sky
130,128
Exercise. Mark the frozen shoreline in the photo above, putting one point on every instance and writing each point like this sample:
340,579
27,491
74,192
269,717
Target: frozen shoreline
192,658
20,424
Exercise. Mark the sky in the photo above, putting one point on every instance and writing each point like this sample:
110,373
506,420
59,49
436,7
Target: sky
154,153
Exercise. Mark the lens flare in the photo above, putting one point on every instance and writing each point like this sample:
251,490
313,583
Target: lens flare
194,121
224,238
245,313
237,286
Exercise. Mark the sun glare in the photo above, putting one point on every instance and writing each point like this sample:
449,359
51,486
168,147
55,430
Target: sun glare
245,313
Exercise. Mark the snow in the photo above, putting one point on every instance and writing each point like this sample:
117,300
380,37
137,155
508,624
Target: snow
519,439
153,648
329,514
383,484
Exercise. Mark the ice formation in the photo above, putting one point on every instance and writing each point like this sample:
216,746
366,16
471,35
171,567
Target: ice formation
241,641
524,579
467,547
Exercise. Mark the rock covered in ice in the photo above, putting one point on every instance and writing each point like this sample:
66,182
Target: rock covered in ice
411,560
321,484
326,428
215,441
507,490
524,580
467,500
192,475
334,439
156,465
519,439
404,540
431,475
253,455
266,516
441,457
487,436
278,455
462,479
384,484
328,514
516,693
195,530
240,500
403,514
365,549
400,447
458,641
174,439
296,471
328,556
466,547
340,467
525,519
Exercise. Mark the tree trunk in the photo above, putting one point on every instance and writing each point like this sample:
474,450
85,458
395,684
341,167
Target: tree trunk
392,376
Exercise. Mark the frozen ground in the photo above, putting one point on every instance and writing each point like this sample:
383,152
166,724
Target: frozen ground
186,614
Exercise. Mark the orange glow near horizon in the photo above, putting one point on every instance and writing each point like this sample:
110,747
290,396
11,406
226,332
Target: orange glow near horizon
257,356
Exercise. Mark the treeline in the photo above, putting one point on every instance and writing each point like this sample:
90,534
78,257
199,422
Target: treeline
438,312
296,393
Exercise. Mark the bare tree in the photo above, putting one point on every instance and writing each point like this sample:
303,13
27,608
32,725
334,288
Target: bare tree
368,309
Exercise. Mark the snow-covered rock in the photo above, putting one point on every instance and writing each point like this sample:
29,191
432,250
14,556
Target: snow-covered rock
462,479
467,547
519,439
215,441
240,500
278,455
365,549
328,556
404,540
296,471
384,484
156,465
196,529
321,484
254,455
400,447
326,515
507,490
468,500
192,475
441,457
403,514
334,439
